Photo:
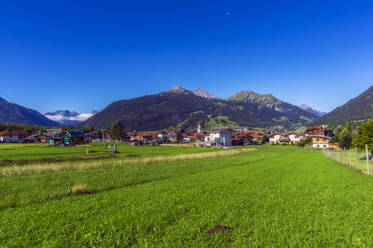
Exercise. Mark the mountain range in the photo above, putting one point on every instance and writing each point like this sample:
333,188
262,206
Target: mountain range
181,108
69,118
16,114
311,110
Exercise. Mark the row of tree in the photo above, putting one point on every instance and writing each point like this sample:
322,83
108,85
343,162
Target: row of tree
27,129
347,137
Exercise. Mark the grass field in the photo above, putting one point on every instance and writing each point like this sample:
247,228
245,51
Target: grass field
269,197
28,153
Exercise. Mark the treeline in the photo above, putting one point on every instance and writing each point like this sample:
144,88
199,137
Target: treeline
347,137
24,128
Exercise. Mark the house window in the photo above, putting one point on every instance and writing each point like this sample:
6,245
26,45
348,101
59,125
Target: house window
318,146
324,145
317,139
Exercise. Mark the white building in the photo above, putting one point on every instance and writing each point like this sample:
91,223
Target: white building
275,139
295,138
290,138
10,137
220,137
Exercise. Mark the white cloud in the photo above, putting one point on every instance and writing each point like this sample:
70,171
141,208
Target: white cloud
61,118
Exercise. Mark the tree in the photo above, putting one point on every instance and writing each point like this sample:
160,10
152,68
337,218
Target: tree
42,130
264,139
179,137
345,137
348,127
337,132
364,136
345,141
198,136
304,142
116,130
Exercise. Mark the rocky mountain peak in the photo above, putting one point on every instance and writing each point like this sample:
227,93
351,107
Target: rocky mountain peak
204,93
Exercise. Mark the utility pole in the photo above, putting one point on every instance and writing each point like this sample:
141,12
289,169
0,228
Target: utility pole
103,136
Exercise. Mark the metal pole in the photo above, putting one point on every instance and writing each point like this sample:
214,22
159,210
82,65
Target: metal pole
357,158
103,137
367,158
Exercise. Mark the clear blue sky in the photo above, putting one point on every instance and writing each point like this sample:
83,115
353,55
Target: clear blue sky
82,55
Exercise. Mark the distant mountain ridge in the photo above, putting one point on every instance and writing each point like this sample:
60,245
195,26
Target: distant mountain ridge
16,114
181,108
266,100
358,110
66,117
307,108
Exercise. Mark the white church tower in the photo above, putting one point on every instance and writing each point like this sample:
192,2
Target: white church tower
199,127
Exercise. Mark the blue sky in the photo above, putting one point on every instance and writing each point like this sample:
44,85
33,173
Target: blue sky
82,55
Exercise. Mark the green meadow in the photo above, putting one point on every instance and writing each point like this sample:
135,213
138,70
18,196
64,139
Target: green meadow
36,153
266,196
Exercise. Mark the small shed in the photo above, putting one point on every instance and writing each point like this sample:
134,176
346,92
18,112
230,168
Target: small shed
74,137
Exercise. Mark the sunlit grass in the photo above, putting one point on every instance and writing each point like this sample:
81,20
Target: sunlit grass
270,197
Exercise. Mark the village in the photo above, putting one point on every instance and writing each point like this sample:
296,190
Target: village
318,136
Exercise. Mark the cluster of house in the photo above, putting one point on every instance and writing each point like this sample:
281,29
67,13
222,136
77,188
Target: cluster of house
57,138
319,135
213,137
12,137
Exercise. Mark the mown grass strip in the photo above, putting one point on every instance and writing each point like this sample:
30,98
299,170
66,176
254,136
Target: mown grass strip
50,168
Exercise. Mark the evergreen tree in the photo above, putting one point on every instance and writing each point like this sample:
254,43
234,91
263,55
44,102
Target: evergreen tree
337,132
179,137
116,130
345,137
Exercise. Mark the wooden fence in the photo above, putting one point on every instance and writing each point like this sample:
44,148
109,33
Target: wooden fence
351,158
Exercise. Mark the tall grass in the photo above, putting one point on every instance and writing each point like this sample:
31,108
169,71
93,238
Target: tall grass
54,167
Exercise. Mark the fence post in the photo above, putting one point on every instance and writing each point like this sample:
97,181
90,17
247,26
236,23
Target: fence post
349,161
367,158
337,156
344,156
357,158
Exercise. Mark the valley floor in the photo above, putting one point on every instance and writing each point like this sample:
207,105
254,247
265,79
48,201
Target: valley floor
270,197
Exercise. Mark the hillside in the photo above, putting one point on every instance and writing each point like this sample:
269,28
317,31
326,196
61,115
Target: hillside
180,108
17,114
266,101
358,109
